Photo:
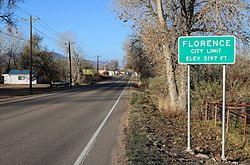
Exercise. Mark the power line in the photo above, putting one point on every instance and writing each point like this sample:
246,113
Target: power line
47,36
25,11
18,18
43,24
46,26
44,34
11,35
51,30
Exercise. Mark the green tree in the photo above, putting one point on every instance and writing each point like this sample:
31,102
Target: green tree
45,64
25,53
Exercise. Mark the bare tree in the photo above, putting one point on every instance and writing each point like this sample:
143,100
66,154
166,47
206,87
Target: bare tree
64,39
160,22
136,58
78,62
3,50
67,39
6,12
113,65
9,51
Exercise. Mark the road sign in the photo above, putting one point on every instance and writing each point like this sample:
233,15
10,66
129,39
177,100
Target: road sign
206,50
87,71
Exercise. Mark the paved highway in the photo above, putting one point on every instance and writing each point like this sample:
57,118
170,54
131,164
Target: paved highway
73,127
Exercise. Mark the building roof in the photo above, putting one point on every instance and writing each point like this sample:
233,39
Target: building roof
19,72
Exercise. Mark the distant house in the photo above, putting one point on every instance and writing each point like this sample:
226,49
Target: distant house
111,73
18,77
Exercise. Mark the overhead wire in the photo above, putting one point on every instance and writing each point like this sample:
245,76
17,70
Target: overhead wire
50,29
43,24
20,38
47,36
44,34
11,35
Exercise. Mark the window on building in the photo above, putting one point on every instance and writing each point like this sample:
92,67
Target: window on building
21,77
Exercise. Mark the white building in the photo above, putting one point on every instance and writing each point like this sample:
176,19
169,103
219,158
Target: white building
111,73
18,77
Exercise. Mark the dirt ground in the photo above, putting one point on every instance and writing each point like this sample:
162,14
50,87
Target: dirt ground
18,86
154,138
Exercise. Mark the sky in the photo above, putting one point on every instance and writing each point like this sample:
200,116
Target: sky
97,28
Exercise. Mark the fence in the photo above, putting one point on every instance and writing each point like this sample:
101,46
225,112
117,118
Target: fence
235,113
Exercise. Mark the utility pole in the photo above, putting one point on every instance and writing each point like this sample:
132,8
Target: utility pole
70,72
97,64
31,60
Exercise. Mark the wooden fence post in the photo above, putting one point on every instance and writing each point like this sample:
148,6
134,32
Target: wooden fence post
207,107
215,115
245,130
228,116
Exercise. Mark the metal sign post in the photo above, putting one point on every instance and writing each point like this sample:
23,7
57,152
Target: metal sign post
206,50
188,109
223,113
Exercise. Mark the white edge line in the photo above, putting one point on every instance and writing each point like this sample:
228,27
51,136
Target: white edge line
90,144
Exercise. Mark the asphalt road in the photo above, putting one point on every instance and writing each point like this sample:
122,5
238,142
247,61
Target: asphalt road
72,127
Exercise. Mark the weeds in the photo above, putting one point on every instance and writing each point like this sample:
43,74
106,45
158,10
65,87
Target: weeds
152,138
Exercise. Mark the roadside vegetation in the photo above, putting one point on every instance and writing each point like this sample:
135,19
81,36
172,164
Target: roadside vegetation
152,137
156,132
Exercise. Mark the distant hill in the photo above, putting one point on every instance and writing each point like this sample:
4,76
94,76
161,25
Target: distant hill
58,55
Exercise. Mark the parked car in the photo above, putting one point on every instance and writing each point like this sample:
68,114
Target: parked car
60,83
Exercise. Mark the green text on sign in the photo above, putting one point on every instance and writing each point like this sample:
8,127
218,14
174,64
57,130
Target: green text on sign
206,50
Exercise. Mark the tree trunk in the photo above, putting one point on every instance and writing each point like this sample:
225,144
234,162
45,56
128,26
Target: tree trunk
172,86
182,98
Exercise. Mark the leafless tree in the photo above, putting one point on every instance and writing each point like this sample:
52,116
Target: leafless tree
9,51
78,62
6,13
160,22
136,58
77,53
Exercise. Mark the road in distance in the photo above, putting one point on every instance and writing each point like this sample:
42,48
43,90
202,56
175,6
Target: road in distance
55,129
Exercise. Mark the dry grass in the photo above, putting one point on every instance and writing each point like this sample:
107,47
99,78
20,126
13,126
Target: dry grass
153,138
9,91
21,86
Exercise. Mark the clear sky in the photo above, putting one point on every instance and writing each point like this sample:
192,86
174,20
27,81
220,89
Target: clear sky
97,28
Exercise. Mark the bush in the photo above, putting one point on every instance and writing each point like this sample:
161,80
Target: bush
203,92
207,84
